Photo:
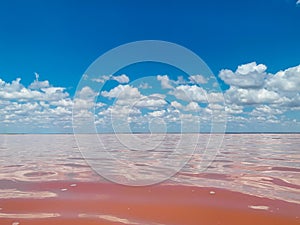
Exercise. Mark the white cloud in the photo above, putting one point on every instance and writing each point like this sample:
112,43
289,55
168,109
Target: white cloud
298,2
285,81
117,117
122,79
144,86
86,93
293,102
84,102
101,79
281,89
265,110
129,101
234,109
159,113
249,75
190,93
65,102
214,97
176,105
197,79
192,107
157,95
274,95
254,98
151,103
165,81
11,87
122,92
36,84
187,117
2,83
214,106
40,106
36,91
250,68
20,95
251,96
180,80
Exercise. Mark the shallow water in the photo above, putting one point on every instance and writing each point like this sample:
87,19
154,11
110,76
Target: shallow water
253,178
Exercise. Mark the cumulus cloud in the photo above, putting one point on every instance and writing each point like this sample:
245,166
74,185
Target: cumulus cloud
281,88
122,92
16,91
150,103
11,87
234,109
176,105
190,93
144,86
129,101
253,97
40,106
36,84
198,79
121,111
263,100
165,81
285,81
159,113
192,106
87,93
122,79
214,97
101,79
265,110
249,75
298,2
84,101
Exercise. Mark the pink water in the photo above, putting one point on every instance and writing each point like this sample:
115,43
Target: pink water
254,178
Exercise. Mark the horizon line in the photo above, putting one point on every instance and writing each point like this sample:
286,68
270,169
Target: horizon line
230,132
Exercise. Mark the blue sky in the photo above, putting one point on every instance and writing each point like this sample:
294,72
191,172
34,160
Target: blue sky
60,39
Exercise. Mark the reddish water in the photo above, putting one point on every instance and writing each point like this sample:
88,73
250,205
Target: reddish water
253,180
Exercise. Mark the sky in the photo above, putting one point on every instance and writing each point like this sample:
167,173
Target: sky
251,47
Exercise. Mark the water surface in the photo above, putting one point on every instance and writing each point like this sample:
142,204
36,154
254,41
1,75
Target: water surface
254,178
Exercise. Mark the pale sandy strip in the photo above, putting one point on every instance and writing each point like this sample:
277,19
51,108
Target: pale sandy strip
29,215
13,193
260,207
112,218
